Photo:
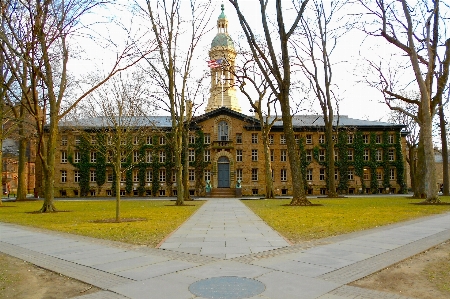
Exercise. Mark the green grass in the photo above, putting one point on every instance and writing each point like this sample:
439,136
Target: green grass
339,216
162,217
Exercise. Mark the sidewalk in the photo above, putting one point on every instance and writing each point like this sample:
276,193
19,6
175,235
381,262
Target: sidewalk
197,266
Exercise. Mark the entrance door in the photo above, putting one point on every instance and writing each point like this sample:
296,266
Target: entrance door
223,167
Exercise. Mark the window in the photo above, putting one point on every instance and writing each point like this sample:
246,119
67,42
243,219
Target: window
93,176
109,176
223,131
309,174
391,154
272,173
162,157
123,156
63,176
379,154
391,138
207,138
366,154
76,176
136,140
378,139
365,138
135,175
282,139
283,175
239,174
350,138
366,174
63,156
392,174
308,155
64,140
191,155
254,155
239,138
149,175
336,174
254,138
322,155
239,155
162,140
309,139
283,155
322,138
297,139
350,174
191,175
135,156
207,175
322,174
271,139
379,174
76,157
148,156
77,140
123,176
336,156
350,155
272,155
162,175
110,140
93,140
207,156
149,140
93,157
191,138
254,174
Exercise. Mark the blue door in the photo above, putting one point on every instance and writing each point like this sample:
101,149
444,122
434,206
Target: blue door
223,167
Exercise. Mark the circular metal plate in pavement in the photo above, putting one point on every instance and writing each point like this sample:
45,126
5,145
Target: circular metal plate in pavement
227,287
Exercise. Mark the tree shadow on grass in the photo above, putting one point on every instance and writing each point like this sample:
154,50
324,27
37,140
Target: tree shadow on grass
424,203
113,220
309,205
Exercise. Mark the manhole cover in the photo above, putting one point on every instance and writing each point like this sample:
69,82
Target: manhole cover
227,287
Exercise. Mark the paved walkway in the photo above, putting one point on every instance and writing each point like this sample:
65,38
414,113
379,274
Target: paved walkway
196,267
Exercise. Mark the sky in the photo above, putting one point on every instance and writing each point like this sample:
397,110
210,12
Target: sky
358,100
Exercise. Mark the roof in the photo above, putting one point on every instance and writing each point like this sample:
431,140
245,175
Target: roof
299,122
222,40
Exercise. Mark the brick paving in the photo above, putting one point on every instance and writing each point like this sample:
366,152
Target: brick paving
320,269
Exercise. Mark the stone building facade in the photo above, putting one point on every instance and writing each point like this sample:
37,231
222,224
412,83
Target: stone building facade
226,149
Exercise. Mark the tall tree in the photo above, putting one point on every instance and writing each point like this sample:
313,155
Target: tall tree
317,39
417,31
39,34
177,26
275,66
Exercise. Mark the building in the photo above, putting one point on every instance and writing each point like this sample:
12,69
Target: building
225,149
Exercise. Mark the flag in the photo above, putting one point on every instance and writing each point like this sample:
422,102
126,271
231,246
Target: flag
215,63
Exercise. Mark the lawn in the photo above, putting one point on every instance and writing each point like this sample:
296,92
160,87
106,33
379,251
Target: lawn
162,217
339,216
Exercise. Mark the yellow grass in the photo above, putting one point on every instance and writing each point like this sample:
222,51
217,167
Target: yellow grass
162,217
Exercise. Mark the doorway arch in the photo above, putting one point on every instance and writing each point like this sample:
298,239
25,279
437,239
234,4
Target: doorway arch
223,172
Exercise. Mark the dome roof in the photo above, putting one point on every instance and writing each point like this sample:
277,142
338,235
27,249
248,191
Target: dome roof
222,40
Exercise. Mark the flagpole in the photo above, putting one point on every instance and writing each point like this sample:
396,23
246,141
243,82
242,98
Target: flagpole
222,81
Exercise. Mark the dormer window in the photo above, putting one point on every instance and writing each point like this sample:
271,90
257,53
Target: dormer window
223,131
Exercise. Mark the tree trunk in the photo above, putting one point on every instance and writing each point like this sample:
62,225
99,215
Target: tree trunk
427,188
22,187
442,122
49,165
267,164
187,195
298,190
412,167
330,155
117,178
179,166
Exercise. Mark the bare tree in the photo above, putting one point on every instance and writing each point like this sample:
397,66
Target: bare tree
177,26
250,81
417,31
275,66
412,139
115,129
316,42
39,35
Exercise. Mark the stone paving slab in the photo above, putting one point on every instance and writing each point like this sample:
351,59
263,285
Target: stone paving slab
224,228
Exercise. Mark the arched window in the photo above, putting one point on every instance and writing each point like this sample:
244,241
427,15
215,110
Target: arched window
223,131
